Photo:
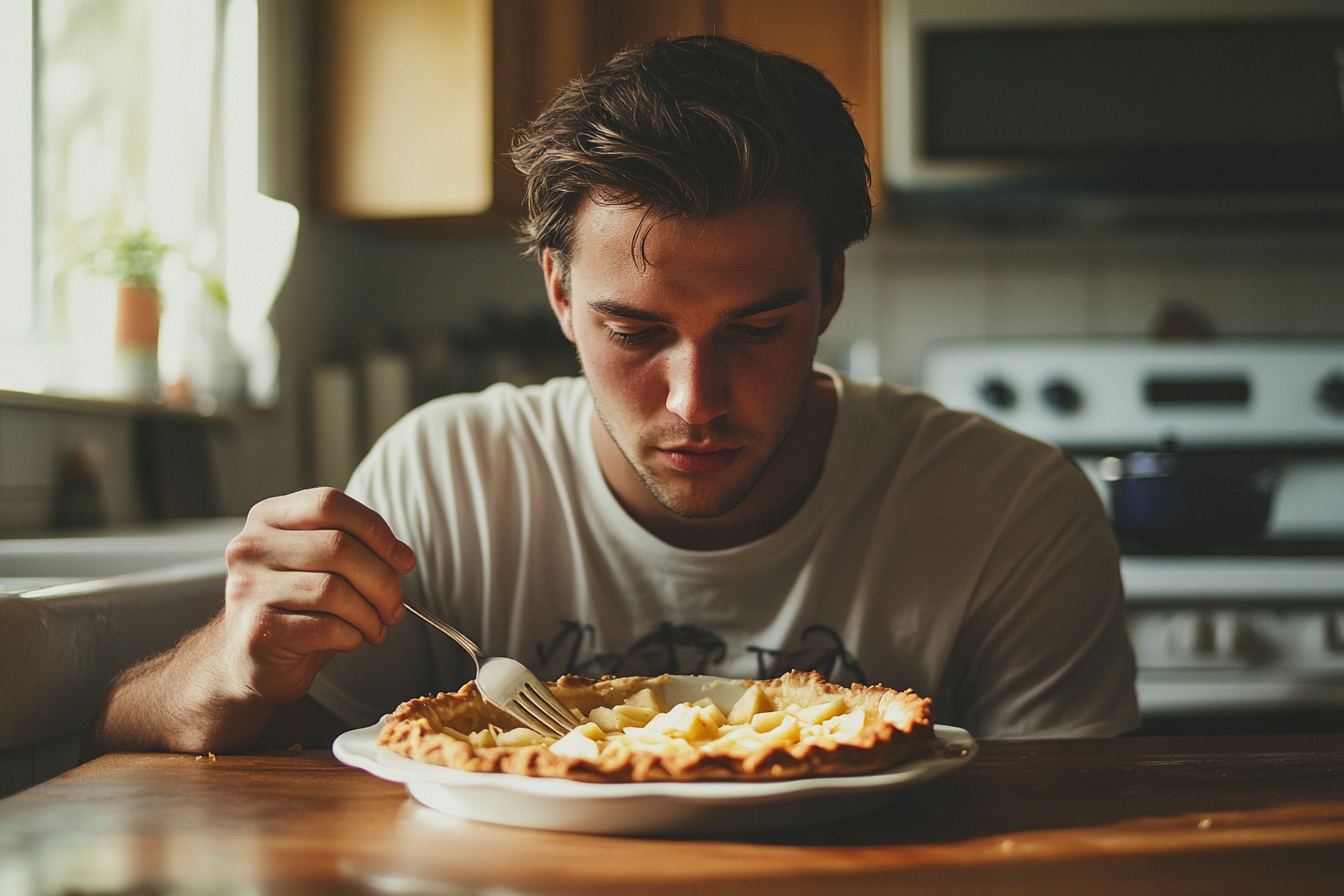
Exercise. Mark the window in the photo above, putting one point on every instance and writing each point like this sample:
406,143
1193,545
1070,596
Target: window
16,196
139,167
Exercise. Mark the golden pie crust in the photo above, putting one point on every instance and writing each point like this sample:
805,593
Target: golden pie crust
895,726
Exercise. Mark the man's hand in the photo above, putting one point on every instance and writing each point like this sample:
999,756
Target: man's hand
311,574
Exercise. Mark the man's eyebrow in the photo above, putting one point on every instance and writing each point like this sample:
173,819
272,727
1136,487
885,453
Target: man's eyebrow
619,309
782,299
771,303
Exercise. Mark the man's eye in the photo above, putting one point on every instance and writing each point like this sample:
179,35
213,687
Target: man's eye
761,334
637,337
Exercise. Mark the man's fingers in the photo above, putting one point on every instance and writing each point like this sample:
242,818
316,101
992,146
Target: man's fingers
327,551
294,639
267,598
311,574
329,594
342,553
329,508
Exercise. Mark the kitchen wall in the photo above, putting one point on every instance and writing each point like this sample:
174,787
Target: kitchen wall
360,285
907,288
77,464
46,442
356,286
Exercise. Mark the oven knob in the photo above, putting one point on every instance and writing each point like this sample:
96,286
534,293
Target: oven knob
996,393
1233,637
1330,393
1062,396
1334,632
1190,636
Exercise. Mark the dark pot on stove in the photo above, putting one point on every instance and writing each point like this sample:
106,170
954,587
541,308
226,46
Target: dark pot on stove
1181,498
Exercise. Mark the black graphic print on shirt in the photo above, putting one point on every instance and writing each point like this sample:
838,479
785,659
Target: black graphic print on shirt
691,650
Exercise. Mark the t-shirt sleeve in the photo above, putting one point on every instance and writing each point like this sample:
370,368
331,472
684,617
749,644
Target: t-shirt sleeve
1043,650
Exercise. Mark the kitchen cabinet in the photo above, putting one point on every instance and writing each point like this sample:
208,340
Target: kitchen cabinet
417,100
398,144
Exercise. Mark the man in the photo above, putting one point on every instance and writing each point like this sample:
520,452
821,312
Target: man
704,499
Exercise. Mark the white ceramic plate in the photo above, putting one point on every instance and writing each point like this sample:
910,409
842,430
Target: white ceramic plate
698,807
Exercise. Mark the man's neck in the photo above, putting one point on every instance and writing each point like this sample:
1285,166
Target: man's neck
783,488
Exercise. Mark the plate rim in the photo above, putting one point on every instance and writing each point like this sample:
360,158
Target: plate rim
357,748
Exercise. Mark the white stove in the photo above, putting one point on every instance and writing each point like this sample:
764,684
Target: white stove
1251,626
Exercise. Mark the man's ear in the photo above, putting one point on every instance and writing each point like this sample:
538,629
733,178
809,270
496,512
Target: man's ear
557,293
831,303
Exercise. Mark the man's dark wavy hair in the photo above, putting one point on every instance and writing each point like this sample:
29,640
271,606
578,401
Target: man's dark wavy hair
695,127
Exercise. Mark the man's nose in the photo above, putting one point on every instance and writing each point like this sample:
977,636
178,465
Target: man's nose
697,384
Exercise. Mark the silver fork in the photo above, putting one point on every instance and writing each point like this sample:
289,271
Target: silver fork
508,684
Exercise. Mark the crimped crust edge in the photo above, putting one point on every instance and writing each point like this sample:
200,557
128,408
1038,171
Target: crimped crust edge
416,730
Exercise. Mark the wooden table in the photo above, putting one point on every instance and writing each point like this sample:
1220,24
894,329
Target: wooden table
1133,815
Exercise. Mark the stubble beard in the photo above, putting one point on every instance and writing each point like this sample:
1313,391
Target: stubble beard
698,502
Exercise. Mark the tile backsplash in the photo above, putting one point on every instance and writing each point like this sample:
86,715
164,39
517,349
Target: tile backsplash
905,291
907,288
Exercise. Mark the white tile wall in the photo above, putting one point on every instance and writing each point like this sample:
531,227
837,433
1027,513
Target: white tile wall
906,291
1038,294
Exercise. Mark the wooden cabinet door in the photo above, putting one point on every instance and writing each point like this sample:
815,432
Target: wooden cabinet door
418,100
408,108
839,37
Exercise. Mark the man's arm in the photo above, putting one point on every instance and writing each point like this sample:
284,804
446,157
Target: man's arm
312,574
1043,650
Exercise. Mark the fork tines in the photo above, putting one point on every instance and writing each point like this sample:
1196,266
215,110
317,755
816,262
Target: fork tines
540,705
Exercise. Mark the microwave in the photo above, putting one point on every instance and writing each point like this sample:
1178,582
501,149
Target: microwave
1115,98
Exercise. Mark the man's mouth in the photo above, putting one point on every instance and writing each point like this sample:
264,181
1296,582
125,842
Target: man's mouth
695,460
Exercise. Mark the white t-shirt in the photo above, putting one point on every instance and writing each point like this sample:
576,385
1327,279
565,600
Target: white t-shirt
938,552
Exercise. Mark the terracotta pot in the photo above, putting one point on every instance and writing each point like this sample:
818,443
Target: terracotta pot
136,344
137,318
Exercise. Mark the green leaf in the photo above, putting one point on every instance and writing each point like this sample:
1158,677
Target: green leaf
136,258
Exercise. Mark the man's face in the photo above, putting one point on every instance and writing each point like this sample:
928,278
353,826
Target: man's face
698,351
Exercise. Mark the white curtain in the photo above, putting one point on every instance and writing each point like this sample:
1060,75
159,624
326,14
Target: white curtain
260,231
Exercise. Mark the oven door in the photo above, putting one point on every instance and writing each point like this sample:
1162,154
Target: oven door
1237,644
1244,634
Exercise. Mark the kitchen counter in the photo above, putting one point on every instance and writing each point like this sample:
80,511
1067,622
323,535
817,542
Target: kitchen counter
76,609
1236,814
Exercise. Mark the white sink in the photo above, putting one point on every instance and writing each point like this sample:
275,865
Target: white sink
75,611
27,564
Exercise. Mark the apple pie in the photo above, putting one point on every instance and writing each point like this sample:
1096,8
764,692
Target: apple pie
632,729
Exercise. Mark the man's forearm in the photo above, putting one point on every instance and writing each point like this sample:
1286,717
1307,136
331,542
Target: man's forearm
311,574
178,701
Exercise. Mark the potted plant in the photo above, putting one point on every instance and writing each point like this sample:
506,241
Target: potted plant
133,261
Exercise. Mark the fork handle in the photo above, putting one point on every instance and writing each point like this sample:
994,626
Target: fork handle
466,643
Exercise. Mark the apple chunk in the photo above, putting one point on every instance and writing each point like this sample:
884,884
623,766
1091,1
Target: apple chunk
752,701
646,699
581,743
605,718
820,712
633,716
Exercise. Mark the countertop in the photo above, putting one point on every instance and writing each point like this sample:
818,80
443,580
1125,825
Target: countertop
1230,814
